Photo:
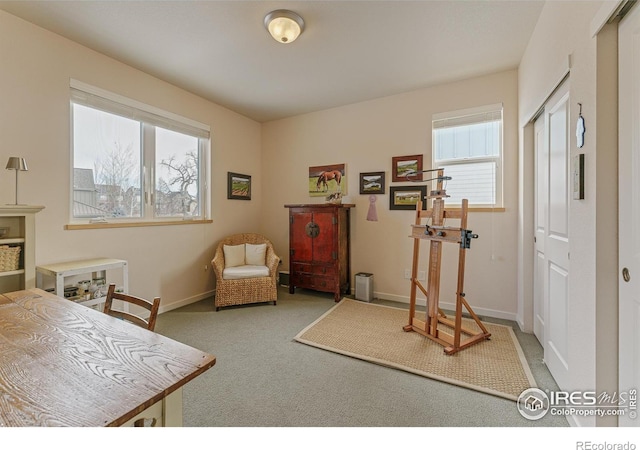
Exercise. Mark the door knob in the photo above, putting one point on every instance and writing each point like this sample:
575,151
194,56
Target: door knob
626,276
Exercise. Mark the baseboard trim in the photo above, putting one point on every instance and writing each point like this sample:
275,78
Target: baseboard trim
186,301
496,314
381,295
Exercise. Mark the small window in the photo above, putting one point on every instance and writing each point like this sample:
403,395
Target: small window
134,162
468,145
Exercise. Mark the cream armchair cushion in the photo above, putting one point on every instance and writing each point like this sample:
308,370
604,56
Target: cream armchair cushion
246,271
255,254
234,255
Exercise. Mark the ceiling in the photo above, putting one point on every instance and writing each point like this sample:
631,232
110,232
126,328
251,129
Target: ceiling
350,51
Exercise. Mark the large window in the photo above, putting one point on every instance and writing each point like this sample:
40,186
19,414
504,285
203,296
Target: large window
134,162
468,145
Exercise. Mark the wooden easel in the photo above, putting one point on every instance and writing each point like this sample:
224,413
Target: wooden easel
438,234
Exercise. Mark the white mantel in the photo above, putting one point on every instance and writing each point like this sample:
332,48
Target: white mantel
19,209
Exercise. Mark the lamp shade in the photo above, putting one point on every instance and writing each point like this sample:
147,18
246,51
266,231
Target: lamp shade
16,163
284,26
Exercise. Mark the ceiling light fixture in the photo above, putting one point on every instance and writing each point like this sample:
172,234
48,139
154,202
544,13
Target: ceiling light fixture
285,26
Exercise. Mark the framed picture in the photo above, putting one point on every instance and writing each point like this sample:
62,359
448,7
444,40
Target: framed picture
327,180
406,197
238,186
404,165
372,183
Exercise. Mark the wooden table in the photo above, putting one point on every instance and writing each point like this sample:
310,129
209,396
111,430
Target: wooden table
63,364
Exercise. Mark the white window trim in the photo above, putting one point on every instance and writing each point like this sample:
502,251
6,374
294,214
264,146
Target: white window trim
155,114
499,201
159,117
467,112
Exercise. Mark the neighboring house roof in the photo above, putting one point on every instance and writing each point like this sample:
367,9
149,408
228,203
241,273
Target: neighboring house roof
83,210
83,180
108,189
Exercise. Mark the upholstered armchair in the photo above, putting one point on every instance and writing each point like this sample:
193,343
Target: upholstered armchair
245,266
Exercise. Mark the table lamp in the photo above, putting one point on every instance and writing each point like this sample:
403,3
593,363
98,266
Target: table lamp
17,164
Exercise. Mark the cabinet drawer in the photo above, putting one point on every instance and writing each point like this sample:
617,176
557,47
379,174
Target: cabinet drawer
323,283
323,270
314,269
311,281
301,268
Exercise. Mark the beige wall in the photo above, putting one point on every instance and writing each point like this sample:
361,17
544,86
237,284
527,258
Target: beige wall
365,136
563,41
34,123
169,261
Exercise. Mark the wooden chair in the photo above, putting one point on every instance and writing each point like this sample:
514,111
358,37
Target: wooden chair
149,324
152,307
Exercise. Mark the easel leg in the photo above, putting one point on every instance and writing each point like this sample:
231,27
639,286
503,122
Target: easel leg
414,273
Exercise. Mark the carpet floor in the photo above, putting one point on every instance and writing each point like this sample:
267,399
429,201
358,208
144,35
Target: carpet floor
264,378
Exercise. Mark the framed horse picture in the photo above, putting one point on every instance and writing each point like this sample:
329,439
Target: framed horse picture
238,186
325,181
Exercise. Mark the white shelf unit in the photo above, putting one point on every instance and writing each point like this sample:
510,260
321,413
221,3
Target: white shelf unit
60,271
20,222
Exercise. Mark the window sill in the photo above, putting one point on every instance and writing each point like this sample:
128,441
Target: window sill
479,208
158,223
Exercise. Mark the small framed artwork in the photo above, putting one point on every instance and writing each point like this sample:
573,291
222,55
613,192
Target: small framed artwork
406,197
372,183
238,186
406,168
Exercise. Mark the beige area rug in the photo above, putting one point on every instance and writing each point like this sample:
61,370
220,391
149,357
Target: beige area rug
374,333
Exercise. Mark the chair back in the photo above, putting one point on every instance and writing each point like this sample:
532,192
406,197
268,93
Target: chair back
245,238
241,238
152,307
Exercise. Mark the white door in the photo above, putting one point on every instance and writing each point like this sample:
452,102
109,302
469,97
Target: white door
551,267
629,208
541,180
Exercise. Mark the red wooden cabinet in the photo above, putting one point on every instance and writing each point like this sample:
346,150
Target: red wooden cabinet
319,249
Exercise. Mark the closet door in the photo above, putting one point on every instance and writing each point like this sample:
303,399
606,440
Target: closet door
629,212
551,273
540,219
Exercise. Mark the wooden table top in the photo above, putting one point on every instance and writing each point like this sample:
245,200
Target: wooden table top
63,364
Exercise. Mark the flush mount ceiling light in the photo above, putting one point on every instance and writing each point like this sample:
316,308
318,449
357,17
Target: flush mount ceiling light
285,26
